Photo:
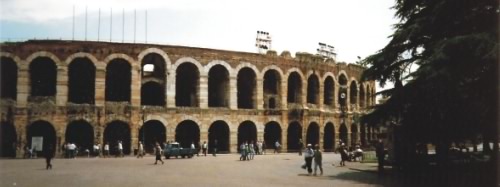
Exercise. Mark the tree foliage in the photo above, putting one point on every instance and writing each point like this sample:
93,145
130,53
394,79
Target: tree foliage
453,95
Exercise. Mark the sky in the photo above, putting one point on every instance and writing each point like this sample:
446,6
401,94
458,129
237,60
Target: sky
354,27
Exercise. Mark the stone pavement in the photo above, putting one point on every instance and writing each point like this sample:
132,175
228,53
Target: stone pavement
223,170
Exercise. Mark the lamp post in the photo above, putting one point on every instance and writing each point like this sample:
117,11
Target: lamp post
343,110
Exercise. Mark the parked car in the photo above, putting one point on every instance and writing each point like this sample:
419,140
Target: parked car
175,149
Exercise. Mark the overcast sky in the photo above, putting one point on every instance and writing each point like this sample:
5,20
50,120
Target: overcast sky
353,27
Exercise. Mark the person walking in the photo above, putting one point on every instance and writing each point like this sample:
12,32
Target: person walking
140,150
49,154
214,153
301,147
277,146
106,150
263,147
158,152
205,147
343,154
308,157
380,153
252,150
120,149
242,151
318,160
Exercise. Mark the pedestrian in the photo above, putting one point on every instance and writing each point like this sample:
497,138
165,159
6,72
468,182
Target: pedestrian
72,150
49,154
301,147
318,160
308,157
120,149
247,151
205,147
242,151
343,154
252,150
259,147
106,150
264,147
380,153
96,150
277,146
215,148
158,152
140,150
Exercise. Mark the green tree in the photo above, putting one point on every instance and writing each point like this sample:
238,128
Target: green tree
453,95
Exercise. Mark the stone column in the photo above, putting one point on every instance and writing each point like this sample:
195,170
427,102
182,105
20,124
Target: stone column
284,94
233,93
233,141
135,89
348,99
321,96
260,94
21,125
203,91
62,86
23,87
100,88
303,103
170,89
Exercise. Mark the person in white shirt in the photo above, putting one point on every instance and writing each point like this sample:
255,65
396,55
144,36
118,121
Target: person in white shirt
205,147
106,150
120,149
308,157
96,150
140,151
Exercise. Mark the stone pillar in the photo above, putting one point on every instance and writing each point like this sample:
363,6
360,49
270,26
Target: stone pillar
233,141
336,103
135,86
348,99
260,94
62,86
321,96
21,127
203,91
284,94
23,87
100,88
233,93
170,89
303,103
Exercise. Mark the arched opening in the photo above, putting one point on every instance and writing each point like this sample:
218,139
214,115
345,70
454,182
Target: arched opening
8,78
294,88
342,92
153,80
152,93
312,134
81,81
247,132
343,133
354,134
272,133
43,77
246,88
328,91
218,87
117,131
294,135
272,85
329,137
354,93
81,133
118,77
8,140
152,132
187,85
313,89
186,133
362,97
219,130
46,131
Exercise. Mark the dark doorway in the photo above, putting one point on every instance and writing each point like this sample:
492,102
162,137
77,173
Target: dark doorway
219,131
293,136
272,133
354,134
329,137
187,85
313,89
272,85
294,88
218,87
247,132
43,77
8,140
117,131
312,134
329,88
159,66
42,129
343,133
81,81
118,78
246,88
81,133
8,78
152,132
186,133
362,96
363,134
152,94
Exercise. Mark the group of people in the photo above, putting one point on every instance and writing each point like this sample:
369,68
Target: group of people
311,154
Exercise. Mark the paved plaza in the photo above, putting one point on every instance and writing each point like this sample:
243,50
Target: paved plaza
223,170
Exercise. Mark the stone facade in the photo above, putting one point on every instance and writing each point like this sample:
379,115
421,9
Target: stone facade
238,99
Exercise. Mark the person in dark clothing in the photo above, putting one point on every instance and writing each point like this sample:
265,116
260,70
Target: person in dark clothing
214,153
49,154
301,146
380,152
158,152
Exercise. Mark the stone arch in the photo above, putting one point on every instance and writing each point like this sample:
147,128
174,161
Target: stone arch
8,77
272,87
213,63
219,130
294,135
152,94
187,132
81,80
313,87
313,133
218,86
160,52
295,81
329,91
8,139
92,58
187,93
43,76
353,93
272,133
247,65
118,130
246,88
44,129
80,132
329,137
362,95
247,131
47,54
152,132
291,70
125,57
271,67
118,80
191,60
20,64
